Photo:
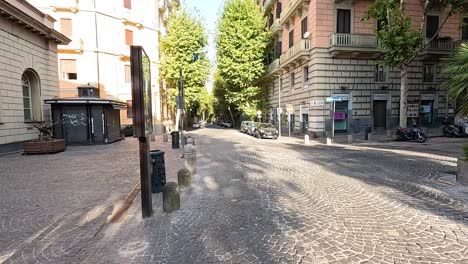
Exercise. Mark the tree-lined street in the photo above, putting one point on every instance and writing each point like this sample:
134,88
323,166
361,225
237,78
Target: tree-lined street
252,201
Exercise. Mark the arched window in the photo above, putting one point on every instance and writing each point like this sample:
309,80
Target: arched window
27,105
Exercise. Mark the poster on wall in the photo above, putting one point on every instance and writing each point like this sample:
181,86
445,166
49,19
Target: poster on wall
412,109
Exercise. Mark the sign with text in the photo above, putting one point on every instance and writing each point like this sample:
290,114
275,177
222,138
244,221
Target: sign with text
412,109
141,92
317,103
334,99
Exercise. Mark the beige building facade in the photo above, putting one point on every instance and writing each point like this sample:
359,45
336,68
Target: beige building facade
28,70
102,32
323,49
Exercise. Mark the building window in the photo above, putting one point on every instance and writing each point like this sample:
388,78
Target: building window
343,21
428,73
303,27
27,105
292,120
292,80
305,73
291,38
380,73
432,24
464,35
128,37
68,69
278,10
128,4
66,27
270,20
129,109
128,74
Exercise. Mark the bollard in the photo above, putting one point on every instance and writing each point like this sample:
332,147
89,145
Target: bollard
306,139
184,178
190,140
350,139
122,136
190,158
389,133
165,138
329,141
369,137
152,137
171,197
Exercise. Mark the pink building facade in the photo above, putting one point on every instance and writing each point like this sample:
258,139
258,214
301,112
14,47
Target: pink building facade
323,49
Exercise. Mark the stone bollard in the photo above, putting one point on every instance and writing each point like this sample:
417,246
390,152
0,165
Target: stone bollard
184,178
190,140
171,197
350,139
390,133
462,171
190,158
306,139
369,137
152,137
122,136
165,138
329,140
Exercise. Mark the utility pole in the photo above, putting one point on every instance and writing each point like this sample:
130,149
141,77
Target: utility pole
279,106
180,110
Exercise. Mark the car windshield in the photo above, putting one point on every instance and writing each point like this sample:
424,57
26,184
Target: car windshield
254,124
266,125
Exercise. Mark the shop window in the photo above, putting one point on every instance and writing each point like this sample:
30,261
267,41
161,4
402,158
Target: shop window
426,112
291,38
380,74
292,121
128,74
428,73
128,4
66,27
128,37
303,27
68,69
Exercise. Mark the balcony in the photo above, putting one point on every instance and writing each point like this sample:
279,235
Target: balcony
292,9
297,53
274,67
438,47
276,27
353,45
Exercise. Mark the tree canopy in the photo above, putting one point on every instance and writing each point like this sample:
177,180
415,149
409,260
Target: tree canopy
457,84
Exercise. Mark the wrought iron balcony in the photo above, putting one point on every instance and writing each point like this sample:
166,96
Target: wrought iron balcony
352,45
297,52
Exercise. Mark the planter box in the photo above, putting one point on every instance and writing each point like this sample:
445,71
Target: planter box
44,147
462,171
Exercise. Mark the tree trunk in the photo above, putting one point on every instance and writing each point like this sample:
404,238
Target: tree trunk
403,95
230,113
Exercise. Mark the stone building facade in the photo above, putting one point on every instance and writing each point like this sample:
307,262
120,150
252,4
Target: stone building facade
28,70
99,54
323,49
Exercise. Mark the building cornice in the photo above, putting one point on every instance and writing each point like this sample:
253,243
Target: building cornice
14,14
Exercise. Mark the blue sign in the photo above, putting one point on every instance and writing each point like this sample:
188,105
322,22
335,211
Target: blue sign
334,99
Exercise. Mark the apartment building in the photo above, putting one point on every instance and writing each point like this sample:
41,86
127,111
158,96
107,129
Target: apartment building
28,71
99,54
323,49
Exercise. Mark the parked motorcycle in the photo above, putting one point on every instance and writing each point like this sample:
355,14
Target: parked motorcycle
413,133
458,130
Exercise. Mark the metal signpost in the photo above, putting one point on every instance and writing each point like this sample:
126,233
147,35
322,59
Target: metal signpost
289,110
333,100
142,121
259,116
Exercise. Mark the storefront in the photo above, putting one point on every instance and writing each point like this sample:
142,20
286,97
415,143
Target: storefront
379,110
341,115
426,109
304,119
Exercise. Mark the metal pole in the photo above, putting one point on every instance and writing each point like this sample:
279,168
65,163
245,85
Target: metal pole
289,125
181,106
333,122
279,106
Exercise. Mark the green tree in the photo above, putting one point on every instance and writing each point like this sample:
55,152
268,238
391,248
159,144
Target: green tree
185,38
399,41
457,84
241,48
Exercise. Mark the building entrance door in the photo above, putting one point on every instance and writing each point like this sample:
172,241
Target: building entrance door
380,114
305,123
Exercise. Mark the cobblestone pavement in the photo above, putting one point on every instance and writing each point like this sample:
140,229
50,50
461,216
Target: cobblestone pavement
262,201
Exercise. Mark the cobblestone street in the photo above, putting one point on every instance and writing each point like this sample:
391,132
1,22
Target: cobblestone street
251,201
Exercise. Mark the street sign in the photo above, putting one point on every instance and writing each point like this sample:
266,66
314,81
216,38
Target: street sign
289,108
334,99
315,103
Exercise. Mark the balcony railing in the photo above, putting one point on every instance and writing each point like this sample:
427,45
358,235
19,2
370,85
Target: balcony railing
299,49
440,44
290,9
274,66
276,26
353,40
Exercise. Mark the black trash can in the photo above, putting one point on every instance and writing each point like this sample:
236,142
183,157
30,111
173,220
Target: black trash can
158,177
175,139
367,130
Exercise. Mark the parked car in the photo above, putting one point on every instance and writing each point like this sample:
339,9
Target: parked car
266,130
251,128
228,124
244,126
196,125
127,130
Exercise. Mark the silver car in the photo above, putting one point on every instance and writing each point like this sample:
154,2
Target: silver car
252,128
244,126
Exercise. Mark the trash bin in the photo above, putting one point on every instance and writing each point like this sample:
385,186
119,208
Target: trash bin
175,139
158,177
367,130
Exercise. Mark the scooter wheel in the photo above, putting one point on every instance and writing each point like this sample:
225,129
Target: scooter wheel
421,138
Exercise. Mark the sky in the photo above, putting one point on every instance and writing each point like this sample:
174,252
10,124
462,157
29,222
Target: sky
208,10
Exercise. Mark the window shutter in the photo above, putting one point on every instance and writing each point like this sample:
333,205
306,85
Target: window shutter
128,4
68,66
66,26
128,37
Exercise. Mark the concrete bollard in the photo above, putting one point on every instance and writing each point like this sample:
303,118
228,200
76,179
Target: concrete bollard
190,140
350,139
165,138
390,133
152,137
190,158
329,140
369,137
184,178
171,197
306,139
122,136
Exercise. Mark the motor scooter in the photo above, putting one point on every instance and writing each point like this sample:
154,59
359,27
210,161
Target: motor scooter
412,133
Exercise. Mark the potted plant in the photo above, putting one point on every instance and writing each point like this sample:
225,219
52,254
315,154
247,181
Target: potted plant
44,144
462,167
